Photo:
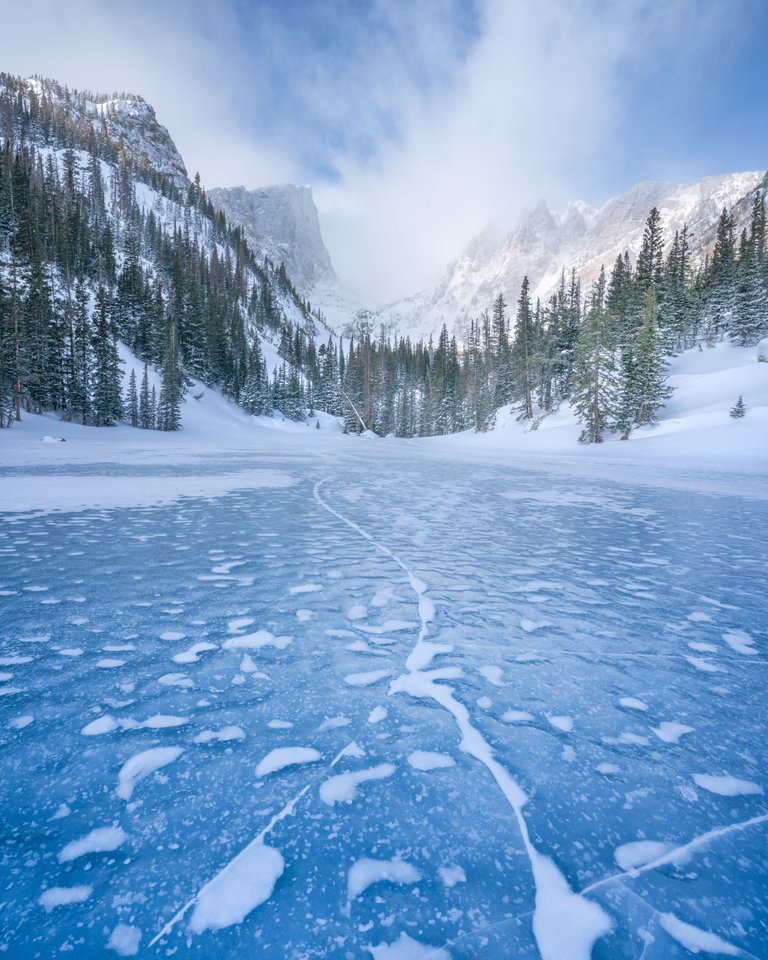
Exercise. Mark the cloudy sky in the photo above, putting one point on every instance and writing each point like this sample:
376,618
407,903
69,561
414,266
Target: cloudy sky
418,122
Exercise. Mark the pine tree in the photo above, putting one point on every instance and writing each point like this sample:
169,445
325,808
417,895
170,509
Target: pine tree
596,387
648,271
132,403
645,388
107,402
739,409
747,322
523,351
720,281
172,385
7,372
677,327
146,416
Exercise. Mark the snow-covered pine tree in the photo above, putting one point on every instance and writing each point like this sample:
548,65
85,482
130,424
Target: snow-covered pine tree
596,387
6,359
154,410
720,281
132,401
145,403
107,402
748,320
648,270
739,409
644,388
523,351
172,388
677,321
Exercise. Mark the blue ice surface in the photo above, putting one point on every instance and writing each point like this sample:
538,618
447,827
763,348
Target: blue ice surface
580,594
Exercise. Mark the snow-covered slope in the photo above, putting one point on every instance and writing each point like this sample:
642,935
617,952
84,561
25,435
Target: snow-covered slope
695,425
281,223
544,243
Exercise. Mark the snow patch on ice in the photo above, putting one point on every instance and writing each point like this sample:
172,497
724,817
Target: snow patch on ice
726,786
427,760
365,872
694,938
225,735
632,703
254,641
451,875
366,679
516,716
406,948
125,940
670,732
741,642
245,883
492,675
63,896
561,723
343,787
141,765
100,840
639,852
286,757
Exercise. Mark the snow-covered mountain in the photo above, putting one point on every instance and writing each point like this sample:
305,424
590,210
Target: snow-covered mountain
281,223
115,170
544,243
119,118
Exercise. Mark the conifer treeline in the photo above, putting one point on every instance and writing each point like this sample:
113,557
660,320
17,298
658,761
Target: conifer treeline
605,352
82,265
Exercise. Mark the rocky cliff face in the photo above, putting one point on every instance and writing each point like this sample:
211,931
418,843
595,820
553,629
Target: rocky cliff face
281,223
125,118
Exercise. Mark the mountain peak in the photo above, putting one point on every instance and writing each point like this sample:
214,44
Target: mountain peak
127,117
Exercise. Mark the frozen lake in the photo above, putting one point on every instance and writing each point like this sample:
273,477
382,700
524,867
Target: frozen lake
378,703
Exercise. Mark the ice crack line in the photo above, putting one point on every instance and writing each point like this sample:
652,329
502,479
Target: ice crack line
679,853
565,924
232,867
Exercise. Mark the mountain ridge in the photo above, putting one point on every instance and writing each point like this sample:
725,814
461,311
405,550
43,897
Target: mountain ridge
542,244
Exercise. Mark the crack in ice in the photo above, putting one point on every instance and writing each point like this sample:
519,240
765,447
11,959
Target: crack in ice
565,925
678,853
250,847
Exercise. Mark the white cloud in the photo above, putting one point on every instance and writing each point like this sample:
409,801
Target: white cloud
181,57
435,116
533,109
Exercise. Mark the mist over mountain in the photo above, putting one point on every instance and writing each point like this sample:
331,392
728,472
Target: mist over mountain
542,244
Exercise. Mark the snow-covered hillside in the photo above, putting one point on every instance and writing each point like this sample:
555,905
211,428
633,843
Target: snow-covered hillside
544,243
694,426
